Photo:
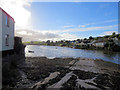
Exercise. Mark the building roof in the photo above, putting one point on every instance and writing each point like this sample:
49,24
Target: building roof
100,41
7,14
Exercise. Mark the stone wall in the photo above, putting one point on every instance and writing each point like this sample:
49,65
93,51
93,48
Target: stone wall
10,64
18,48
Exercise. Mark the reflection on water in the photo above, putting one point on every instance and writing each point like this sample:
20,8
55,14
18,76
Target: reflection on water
55,51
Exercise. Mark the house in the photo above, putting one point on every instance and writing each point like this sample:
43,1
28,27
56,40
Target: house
76,42
116,41
91,43
6,31
82,43
99,43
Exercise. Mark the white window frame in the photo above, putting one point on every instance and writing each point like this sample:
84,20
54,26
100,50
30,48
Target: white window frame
7,39
7,22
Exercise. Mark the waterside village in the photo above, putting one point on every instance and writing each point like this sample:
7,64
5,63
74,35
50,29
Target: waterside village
36,73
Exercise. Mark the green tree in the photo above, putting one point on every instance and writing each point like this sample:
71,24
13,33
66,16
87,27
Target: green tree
78,39
113,33
85,38
107,36
90,37
119,37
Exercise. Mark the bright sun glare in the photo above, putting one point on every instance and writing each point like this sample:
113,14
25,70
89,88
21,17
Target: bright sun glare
16,8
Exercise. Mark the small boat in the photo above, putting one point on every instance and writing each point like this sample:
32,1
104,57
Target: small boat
31,51
73,47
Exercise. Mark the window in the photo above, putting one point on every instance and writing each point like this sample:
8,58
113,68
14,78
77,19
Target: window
7,21
7,40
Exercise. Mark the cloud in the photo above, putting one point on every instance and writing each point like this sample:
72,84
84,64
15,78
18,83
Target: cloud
34,35
93,23
110,27
30,35
68,36
108,21
100,28
109,32
82,26
68,26
102,22
16,8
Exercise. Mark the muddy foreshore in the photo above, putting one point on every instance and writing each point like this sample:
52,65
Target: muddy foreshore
68,73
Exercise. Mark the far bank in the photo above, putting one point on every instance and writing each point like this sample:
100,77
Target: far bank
64,52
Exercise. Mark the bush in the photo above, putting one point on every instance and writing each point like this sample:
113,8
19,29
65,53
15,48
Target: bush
9,75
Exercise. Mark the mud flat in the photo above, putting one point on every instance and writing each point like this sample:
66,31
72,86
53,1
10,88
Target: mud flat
71,73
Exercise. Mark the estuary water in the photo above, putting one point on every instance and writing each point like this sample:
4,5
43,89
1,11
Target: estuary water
64,52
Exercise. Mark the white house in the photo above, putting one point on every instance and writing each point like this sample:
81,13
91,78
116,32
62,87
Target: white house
91,43
6,31
116,41
99,43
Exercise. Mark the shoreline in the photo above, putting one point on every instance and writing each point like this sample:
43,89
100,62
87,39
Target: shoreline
82,73
91,48
70,69
94,54
97,61
72,58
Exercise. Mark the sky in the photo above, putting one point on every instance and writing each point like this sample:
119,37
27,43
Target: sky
62,20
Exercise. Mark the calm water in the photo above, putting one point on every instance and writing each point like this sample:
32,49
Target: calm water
55,51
